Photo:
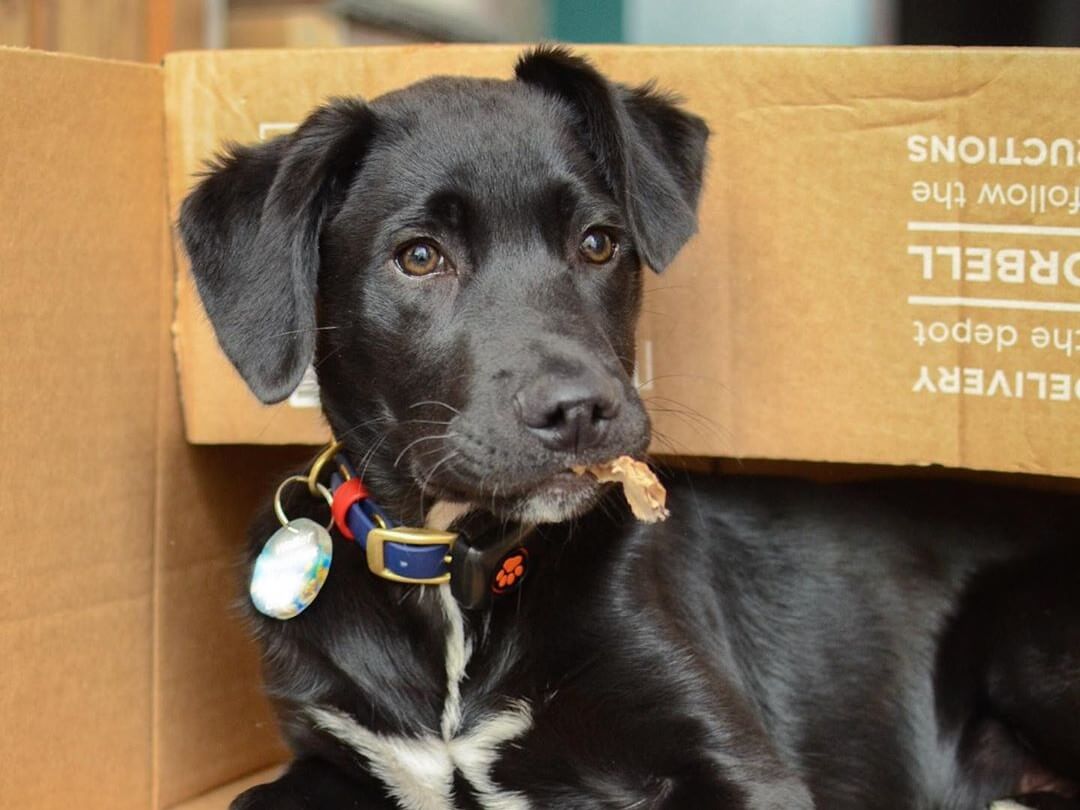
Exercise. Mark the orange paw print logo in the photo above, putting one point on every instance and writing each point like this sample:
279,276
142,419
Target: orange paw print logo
511,571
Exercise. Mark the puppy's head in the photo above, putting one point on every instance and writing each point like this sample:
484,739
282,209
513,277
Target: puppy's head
460,260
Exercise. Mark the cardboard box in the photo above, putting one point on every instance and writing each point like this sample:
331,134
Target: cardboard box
126,684
888,268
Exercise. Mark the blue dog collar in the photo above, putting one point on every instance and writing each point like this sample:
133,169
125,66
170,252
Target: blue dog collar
290,570
422,556
402,554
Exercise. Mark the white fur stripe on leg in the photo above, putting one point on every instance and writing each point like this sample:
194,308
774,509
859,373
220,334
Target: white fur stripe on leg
475,755
458,651
417,771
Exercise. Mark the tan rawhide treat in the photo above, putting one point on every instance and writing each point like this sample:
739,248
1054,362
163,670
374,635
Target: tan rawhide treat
645,494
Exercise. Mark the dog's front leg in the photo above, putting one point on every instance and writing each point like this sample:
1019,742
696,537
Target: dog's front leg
313,784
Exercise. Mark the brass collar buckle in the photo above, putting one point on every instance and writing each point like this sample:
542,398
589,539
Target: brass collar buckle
378,537
420,556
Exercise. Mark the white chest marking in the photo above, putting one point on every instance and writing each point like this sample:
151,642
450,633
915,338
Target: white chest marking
419,771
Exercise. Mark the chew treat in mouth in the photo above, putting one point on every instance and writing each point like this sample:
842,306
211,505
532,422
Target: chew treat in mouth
645,494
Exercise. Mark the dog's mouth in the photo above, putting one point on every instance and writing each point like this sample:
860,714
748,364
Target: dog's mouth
554,497
562,496
510,479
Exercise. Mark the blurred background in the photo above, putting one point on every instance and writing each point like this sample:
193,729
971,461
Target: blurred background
147,29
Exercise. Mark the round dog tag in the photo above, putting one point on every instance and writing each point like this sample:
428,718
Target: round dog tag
291,569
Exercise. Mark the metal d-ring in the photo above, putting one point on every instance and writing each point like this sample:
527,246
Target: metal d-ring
320,489
312,478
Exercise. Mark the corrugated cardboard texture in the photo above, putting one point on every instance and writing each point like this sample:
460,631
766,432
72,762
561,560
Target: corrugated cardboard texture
790,327
80,256
213,723
126,679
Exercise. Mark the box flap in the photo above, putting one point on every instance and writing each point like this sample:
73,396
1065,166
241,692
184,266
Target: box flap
886,270
133,686
81,199
826,203
213,722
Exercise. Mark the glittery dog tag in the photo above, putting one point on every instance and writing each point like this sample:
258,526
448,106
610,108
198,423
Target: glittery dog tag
291,569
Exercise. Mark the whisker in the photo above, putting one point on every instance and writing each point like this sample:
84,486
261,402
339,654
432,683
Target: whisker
305,331
668,444
435,402
373,420
665,287
417,441
696,423
680,407
328,356
701,377
431,474
370,454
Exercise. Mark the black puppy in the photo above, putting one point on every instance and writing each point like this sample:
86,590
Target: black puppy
461,261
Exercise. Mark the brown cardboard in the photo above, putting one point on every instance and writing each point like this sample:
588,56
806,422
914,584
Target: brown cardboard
786,329
15,24
126,684
80,257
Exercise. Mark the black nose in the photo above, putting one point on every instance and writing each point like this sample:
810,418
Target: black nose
568,412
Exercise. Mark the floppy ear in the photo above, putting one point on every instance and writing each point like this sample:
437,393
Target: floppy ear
252,230
650,153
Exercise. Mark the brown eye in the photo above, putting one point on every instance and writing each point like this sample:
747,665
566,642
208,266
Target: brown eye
419,259
597,246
